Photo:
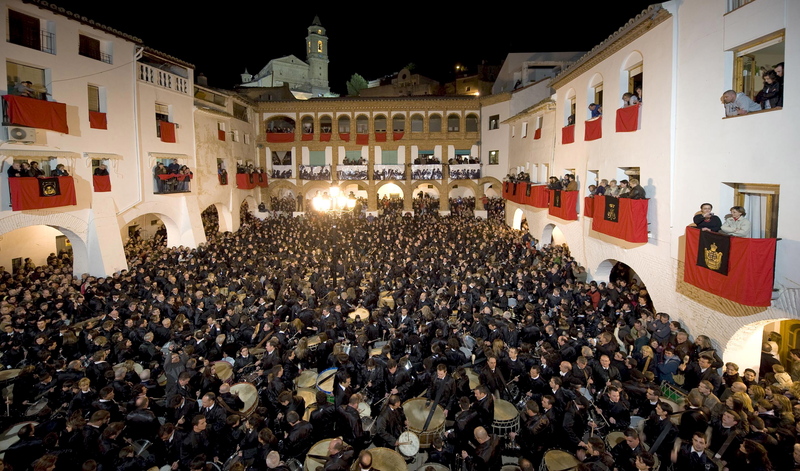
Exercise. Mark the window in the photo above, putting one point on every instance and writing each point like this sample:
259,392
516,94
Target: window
380,123
472,123
494,122
570,109
344,124
760,202
316,157
539,121
282,157
247,138
319,46
94,98
93,48
240,112
389,157
494,157
235,135
755,58
398,123
595,95
308,125
435,123
211,97
734,4
513,130
325,124
362,125
453,123
525,129
162,114
417,123
18,73
26,30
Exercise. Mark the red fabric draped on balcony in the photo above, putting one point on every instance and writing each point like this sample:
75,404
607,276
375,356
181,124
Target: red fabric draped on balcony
628,118
41,114
220,134
102,183
41,193
167,131
380,137
540,198
325,137
178,176
98,120
564,204
223,179
362,139
630,216
345,136
307,137
568,134
588,206
751,270
261,180
537,134
593,129
245,181
398,135
280,136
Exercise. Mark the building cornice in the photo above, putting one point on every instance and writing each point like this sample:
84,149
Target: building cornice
543,106
631,31
55,9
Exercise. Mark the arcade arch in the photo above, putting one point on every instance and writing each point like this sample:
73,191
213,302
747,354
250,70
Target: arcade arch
38,242
552,235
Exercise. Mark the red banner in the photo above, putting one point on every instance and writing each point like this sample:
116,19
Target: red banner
380,136
223,178
345,136
177,176
220,134
628,119
41,114
593,129
537,134
362,139
102,183
751,270
588,206
325,137
568,209
167,131
307,137
98,120
568,134
540,198
631,219
261,180
245,181
398,135
26,193
280,136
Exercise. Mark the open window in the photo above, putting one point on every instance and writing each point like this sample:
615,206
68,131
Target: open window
19,74
760,202
754,59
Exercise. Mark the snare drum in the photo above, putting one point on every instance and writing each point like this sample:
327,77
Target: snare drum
318,455
325,382
249,395
506,418
294,465
613,439
9,437
34,409
314,341
310,396
417,414
224,371
408,444
386,459
306,379
557,460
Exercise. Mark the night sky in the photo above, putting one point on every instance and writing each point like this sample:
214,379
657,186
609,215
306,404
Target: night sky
373,40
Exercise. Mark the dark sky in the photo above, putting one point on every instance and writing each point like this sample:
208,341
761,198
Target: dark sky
223,39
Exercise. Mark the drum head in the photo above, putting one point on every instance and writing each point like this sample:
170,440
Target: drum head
325,380
417,414
614,438
307,379
248,394
9,437
363,409
474,380
314,460
36,407
385,459
504,411
136,367
359,313
309,395
409,444
436,467
557,460
224,370
6,375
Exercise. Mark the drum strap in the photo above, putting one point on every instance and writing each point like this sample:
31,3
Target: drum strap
433,408
661,437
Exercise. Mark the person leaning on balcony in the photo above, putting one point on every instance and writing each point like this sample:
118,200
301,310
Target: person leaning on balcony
636,191
572,185
738,103
15,170
101,171
736,224
60,171
705,220
35,171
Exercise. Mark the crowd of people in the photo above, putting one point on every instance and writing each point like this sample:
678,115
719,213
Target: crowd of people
402,307
172,177
286,204
769,97
462,205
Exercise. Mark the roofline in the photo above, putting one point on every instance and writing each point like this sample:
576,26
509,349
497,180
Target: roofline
55,9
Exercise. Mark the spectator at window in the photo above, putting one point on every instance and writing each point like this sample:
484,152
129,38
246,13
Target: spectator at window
592,190
636,191
101,170
554,184
613,189
779,72
571,120
638,94
736,224
772,93
601,187
25,170
626,99
25,89
705,220
60,171
738,103
174,168
572,185
596,110
35,171
623,189
15,170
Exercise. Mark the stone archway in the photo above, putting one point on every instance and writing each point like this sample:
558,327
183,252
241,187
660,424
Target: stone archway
21,232
552,235
519,216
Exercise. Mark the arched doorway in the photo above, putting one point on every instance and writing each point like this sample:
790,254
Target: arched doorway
552,235
426,199
210,217
283,200
390,198
150,227
461,200
621,274
519,216
25,248
245,216
745,346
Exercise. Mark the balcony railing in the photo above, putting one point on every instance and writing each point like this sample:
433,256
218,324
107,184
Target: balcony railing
41,40
163,79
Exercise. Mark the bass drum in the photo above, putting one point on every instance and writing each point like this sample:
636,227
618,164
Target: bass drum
512,393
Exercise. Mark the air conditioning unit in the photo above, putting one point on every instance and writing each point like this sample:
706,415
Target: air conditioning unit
21,134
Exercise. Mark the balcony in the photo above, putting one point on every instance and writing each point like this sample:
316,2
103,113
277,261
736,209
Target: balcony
24,30
159,78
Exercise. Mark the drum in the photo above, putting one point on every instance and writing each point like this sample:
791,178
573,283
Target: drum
310,396
359,313
408,444
557,460
417,414
306,379
318,455
314,341
162,380
435,467
258,353
224,371
613,439
9,437
294,465
325,382
474,380
506,418
233,459
141,446
364,409
34,409
8,376
637,422
387,459
214,466
249,395
136,367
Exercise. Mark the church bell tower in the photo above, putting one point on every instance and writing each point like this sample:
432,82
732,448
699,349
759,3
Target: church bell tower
317,58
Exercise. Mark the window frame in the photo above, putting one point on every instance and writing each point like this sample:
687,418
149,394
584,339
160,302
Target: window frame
494,157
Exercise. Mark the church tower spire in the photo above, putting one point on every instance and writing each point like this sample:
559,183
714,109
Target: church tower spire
317,57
